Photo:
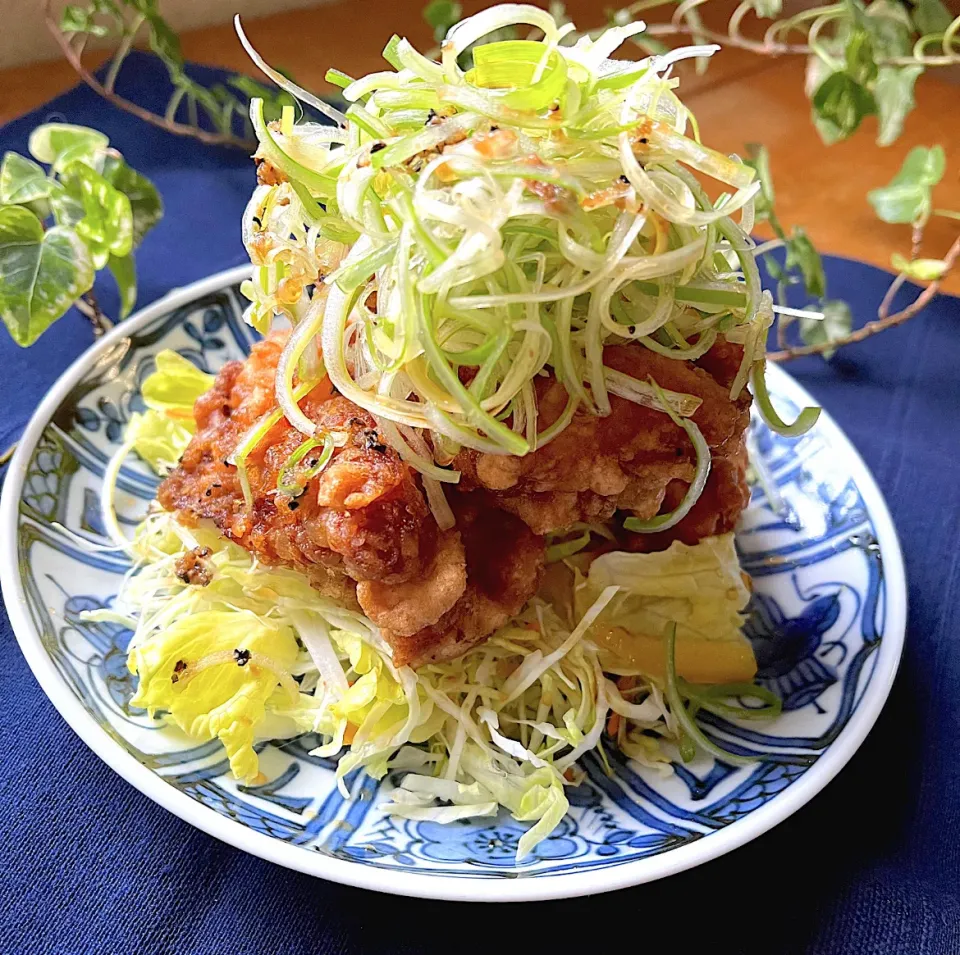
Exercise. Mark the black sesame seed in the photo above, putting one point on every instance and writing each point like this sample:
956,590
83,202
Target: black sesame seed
376,147
431,116
624,179
678,452
242,657
293,505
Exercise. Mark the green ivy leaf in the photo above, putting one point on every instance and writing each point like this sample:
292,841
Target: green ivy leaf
923,166
441,15
836,324
889,26
107,223
107,7
76,19
841,103
145,203
163,41
907,198
894,94
22,181
905,203
858,54
41,273
124,272
921,270
802,255
66,205
59,144
931,16
768,9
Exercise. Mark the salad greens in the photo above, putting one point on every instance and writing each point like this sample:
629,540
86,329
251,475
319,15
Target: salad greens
161,433
256,653
507,220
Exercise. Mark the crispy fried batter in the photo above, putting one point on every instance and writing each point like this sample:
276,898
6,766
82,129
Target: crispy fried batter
361,530
363,516
630,459
504,567
403,609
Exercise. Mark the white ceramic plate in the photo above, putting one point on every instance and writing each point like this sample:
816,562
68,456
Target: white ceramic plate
828,627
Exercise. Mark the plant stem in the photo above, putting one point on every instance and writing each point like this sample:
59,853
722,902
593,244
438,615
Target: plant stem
884,319
87,305
178,129
111,78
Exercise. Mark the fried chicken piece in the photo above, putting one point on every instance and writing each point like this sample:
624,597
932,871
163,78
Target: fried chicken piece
403,609
629,459
504,565
717,509
363,516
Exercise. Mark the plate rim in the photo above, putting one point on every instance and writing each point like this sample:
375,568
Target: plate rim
403,882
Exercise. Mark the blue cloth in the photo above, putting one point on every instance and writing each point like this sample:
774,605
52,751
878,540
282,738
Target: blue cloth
870,866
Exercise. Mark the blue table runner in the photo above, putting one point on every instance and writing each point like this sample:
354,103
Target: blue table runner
870,867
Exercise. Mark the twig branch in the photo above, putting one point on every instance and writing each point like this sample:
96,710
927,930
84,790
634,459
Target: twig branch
171,126
884,319
726,39
88,305
111,78
771,47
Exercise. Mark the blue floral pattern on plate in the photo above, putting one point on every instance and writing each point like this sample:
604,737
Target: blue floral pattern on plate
818,620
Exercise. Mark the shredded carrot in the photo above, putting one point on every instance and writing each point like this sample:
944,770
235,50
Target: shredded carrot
350,733
613,724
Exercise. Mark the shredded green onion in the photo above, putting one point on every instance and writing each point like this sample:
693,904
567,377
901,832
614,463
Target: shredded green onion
293,478
664,522
256,434
801,425
678,709
511,220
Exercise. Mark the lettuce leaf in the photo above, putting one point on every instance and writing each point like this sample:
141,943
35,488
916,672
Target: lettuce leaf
161,434
175,385
699,587
159,440
216,673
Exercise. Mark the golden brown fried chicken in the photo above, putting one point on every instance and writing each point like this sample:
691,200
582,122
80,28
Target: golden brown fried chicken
504,567
361,530
635,459
363,516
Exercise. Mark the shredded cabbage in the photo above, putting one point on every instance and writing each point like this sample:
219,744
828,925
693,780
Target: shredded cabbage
252,652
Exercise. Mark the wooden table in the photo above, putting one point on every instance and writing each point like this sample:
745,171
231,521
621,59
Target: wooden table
742,98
